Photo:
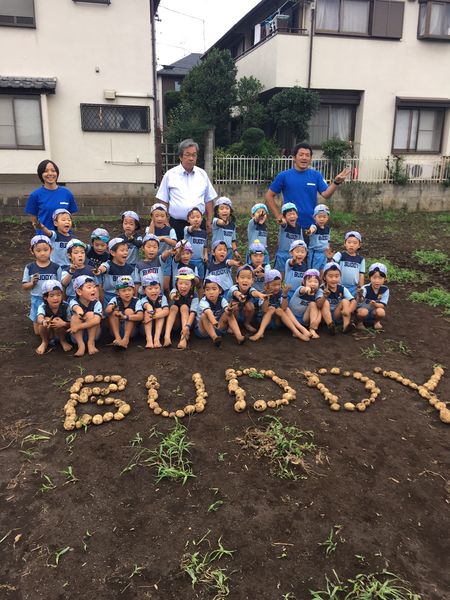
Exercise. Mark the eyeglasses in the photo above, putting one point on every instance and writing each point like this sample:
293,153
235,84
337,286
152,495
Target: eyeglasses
189,154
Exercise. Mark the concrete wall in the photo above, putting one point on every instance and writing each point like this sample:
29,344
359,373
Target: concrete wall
88,48
358,197
381,68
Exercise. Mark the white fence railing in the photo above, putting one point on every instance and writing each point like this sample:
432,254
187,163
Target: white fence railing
256,170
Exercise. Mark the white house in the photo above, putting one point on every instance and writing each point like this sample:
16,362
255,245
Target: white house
78,85
381,67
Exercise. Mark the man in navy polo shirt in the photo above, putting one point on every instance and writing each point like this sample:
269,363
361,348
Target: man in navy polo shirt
300,185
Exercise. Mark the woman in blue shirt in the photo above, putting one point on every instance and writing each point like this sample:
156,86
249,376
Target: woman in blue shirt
43,201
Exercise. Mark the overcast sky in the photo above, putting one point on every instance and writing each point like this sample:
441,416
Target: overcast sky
178,35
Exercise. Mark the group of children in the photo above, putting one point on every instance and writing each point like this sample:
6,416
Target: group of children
154,285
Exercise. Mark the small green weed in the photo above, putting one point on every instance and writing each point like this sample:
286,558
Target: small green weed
202,568
33,438
221,456
70,477
86,537
401,347
374,586
371,352
214,507
58,555
137,570
432,258
436,297
330,544
285,446
47,485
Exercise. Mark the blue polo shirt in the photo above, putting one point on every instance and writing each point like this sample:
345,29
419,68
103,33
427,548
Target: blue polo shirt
301,188
42,203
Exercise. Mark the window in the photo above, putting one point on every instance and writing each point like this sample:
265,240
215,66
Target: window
103,117
418,130
374,18
434,20
177,86
332,121
17,13
21,123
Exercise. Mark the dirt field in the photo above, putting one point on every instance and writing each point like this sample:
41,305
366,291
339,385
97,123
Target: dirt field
382,484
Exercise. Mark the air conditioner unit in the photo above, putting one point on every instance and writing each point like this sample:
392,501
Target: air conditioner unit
420,171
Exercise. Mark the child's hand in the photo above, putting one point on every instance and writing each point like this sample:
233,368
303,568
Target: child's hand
307,290
46,322
35,279
260,216
285,288
326,292
56,323
373,303
96,271
176,296
237,255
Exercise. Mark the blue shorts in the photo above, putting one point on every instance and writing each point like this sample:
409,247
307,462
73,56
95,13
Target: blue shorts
36,301
280,261
107,297
352,289
316,260
198,262
167,267
300,318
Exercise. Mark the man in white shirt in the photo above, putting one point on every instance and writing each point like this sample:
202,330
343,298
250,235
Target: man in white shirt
185,187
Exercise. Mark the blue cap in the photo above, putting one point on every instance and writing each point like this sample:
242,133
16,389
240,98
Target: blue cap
50,285
259,206
132,215
74,242
223,200
321,208
100,234
158,206
79,281
217,242
150,279
37,239
296,244
272,275
355,234
310,273
288,206
213,279
60,211
331,266
150,236
257,247
378,266
115,242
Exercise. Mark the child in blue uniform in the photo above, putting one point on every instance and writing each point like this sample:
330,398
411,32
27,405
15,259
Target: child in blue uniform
258,254
182,257
183,307
295,266
52,316
156,309
214,315
276,305
97,251
153,262
159,226
198,238
124,311
319,251
373,299
76,255
130,226
352,264
220,266
86,315
289,231
334,300
62,220
257,227
303,302
224,226
113,268
35,273
244,297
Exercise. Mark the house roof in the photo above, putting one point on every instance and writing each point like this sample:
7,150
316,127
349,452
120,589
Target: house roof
43,85
182,66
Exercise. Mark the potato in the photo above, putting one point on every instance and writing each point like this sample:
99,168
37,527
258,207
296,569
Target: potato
97,420
349,406
118,402
109,400
364,378
433,401
115,378
335,371
107,378
423,392
335,406
322,372
357,375
199,407
361,406
305,373
113,387
245,371
440,406
118,416
377,370
444,415
269,373
240,405
125,409
96,391
439,371
260,405
83,399
98,378
271,404
120,387
108,416
100,402
152,405
69,424
158,410
262,371
89,378
180,414
370,385
74,397
105,391
282,402
312,381
196,376
87,391
189,409
239,373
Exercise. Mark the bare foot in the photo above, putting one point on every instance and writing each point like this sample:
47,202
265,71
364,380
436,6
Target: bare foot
314,334
250,328
378,325
116,342
182,344
157,344
66,346
168,343
81,350
217,341
92,349
41,349
331,328
241,339
359,325
300,336
149,344
256,337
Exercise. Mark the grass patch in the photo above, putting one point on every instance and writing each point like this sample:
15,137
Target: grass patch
399,274
432,258
203,570
286,447
443,218
436,297
374,586
371,352
330,544
339,218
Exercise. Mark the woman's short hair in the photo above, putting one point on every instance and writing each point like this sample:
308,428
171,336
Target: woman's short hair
186,144
43,165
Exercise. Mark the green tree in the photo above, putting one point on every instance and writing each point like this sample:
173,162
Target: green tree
336,151
254,143
183,123
172,99
293,108
252,112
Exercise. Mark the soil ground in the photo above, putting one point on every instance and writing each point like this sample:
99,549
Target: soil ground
384,480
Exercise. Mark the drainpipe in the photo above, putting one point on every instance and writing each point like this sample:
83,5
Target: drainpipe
158,163
311,38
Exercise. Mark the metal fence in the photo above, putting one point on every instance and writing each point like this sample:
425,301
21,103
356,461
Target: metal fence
257,170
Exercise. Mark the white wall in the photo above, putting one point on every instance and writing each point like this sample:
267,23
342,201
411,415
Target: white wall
383,69
70,42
